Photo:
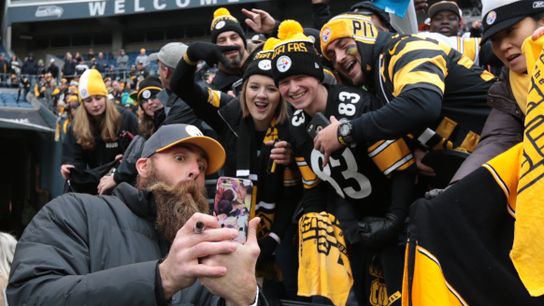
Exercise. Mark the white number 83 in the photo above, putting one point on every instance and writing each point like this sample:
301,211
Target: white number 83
324,173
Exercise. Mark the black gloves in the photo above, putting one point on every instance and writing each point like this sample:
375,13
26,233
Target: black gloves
268,246
211,53
376,232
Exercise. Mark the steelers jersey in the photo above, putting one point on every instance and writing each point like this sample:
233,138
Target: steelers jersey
351,172
409,62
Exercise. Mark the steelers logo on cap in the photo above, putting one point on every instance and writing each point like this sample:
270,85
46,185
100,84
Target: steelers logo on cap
83,92
284,63
146,94
193,131
220,24
325,35
491,17
265,64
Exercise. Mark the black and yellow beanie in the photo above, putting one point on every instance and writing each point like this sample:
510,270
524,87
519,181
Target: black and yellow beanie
352,25
223,21
261,62
295,53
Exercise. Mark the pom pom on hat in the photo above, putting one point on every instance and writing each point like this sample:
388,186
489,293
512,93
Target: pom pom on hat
221,12
295,54
291,30
271,43
223,21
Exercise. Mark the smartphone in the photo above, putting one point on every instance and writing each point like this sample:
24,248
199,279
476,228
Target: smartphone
237,87
318,122
232,204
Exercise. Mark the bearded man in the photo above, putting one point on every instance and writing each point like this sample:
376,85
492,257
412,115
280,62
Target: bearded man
139,246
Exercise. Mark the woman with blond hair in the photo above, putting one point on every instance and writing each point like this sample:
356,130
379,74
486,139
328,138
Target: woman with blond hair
7,249
100,132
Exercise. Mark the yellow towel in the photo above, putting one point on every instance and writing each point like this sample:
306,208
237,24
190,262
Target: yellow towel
324,267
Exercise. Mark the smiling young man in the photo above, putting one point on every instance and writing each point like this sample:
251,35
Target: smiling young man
426,87
139,246
353,188
227,31
445,18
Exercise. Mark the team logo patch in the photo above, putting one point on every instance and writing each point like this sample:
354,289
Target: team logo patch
146,94
193,131
326,34
265,64
84,93
284,63
491,17
220,25
538,4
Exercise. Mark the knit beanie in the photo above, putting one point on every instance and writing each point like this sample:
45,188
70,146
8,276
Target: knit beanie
149,87
295,53
352,25
91,84
261,63
223,21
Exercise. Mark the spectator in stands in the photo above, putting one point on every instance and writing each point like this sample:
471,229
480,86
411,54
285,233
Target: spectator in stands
149,105
40,67
102,63
7,249
90,55
446,18
15,65
53,69
4,70
69,68
437,89
175,109
142,57
227,31
122,61
29,65
78,58
100,132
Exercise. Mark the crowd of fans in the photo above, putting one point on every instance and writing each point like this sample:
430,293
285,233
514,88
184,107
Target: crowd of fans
340,128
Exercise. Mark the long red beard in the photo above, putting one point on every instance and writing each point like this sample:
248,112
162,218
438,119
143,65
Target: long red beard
176,204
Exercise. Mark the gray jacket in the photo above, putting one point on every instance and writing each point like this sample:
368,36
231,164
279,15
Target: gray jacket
87,250
502,129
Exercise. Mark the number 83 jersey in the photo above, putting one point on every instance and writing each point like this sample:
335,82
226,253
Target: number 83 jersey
356,174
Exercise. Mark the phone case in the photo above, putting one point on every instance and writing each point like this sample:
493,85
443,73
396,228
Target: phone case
318,122
233,203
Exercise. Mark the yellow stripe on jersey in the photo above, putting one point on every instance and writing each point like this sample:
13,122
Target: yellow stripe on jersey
409,74
289,177
309,178
214,97
424,51
391,155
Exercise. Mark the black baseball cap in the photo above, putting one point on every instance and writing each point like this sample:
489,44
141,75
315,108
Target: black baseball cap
170,135
499,15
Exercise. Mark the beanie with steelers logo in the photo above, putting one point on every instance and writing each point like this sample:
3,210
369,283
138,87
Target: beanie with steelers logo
91,84
295,53
351,25
261,63
223,21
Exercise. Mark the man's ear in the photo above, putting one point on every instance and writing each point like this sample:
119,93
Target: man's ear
143,166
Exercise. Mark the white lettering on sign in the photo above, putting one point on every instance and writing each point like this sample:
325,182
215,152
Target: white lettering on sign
183,3
137,7
158,6
97,8
208,2
119,7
